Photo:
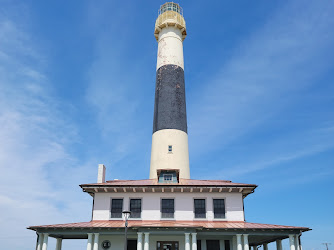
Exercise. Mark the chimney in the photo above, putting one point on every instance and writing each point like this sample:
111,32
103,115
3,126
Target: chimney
101,174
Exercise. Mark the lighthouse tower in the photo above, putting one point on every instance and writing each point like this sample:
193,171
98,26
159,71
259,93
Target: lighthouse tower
170,138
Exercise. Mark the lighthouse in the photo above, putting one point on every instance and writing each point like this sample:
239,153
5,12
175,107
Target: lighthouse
170,139
169,210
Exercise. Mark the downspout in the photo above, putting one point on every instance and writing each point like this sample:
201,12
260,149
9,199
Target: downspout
243,204
300,243
93,206
243,208
37,240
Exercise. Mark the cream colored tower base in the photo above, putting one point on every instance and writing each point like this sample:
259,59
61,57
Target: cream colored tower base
177,159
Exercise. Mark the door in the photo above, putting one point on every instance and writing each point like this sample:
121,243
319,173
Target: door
212,245
132,244
167,245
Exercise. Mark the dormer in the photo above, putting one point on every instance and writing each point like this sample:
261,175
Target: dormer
168,175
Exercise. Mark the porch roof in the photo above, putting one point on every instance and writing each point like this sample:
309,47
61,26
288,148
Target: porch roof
170,224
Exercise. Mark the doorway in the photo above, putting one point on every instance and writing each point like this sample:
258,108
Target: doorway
212,245
132,245
167,245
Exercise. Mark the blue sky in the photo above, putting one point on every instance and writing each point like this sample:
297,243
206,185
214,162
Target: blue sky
77,85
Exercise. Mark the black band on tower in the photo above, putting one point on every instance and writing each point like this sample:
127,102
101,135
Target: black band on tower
170,99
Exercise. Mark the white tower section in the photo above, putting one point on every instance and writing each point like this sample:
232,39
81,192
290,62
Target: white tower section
170,138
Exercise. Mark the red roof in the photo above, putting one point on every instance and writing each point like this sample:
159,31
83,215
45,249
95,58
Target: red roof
167,224
182,182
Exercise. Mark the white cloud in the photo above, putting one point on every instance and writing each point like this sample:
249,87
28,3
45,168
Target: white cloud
264,76
115,92
286,149
38,176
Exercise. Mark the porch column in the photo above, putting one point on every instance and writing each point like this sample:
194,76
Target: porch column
140,241
246,245
239,245
187,241
279,244
147,241
265,246
45,241
234,243
40,241
292,242
297,242
90,241
59,242
194,241
203,244
96,241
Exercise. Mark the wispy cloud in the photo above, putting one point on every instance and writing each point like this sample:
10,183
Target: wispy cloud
117,82
34,138
264,76
283,150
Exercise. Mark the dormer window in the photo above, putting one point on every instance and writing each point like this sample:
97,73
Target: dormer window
170,149
168,177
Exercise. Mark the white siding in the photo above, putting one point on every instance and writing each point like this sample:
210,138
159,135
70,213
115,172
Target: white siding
184,205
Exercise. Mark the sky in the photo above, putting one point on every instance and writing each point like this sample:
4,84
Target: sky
77,83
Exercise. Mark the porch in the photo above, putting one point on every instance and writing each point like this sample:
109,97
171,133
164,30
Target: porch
159,235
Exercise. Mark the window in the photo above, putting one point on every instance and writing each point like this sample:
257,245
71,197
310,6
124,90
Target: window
135,208
168,177
170,148
219,208
199,207
167,208
116,208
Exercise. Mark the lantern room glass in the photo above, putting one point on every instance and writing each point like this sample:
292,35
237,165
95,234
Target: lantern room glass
170,6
